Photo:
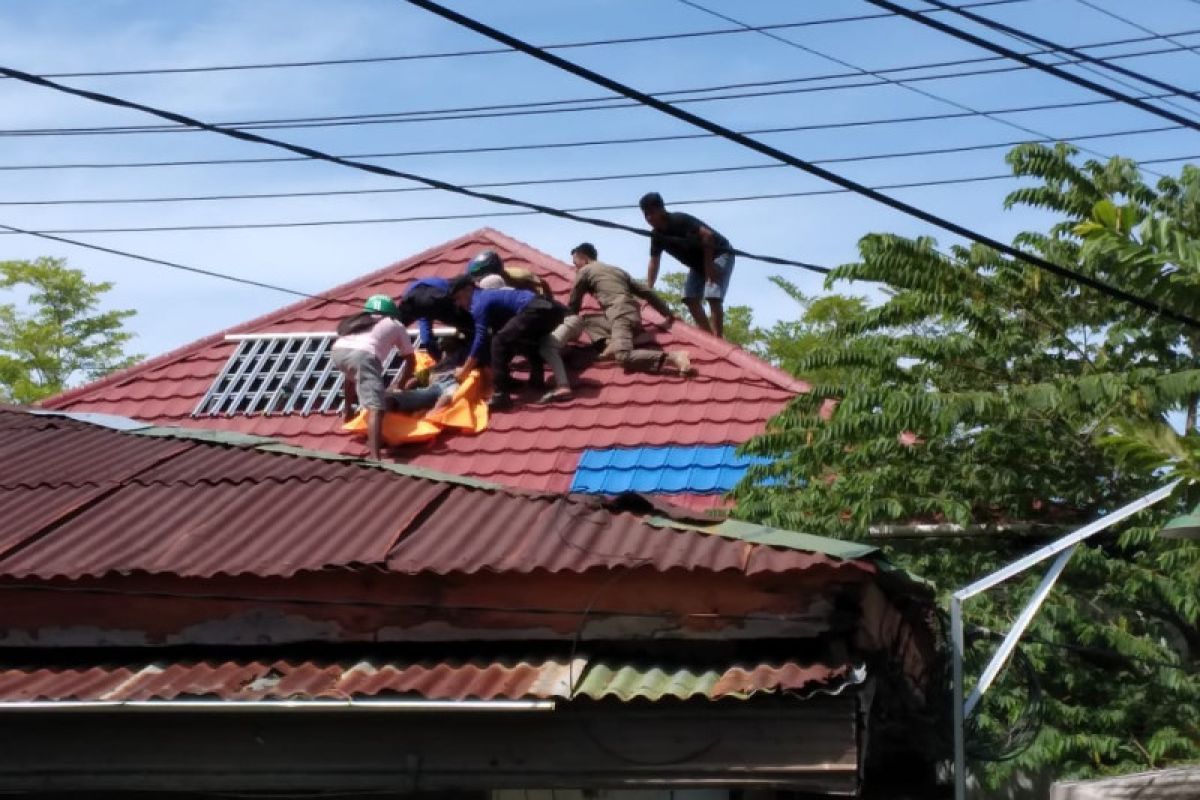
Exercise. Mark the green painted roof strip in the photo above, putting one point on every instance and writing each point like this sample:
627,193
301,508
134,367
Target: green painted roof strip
629,683
773,537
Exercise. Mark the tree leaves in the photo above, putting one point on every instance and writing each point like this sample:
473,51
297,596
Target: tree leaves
60,335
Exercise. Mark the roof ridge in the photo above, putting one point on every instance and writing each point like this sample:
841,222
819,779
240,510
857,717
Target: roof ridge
72,395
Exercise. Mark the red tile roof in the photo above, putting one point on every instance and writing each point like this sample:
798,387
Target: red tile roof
88,501
533,447
542,679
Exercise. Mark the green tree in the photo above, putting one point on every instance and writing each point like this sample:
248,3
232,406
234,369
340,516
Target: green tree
984,391
59,334
739,320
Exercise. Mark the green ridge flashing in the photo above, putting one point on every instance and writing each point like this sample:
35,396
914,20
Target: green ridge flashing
774,537
268,445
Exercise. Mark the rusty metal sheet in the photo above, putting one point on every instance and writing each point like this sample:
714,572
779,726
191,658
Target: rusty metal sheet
25,511
72,453
200,530
438,680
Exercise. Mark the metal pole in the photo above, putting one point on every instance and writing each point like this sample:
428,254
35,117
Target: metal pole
956,654
1000,658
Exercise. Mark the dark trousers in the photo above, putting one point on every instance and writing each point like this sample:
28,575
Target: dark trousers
523,333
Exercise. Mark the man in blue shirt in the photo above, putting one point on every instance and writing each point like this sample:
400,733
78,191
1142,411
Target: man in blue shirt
428,300
518,321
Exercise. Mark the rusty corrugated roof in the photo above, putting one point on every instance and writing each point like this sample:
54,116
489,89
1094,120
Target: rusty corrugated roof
198,509
477,680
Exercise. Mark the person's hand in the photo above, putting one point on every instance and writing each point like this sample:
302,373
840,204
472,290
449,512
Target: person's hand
411,383
460,375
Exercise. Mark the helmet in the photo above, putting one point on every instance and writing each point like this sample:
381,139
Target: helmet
485,263
381,304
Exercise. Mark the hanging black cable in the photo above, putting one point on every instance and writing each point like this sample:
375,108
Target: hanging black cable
903,84
164,263
619,176
1062,48
310,153
663,37
1047,68
679,137
1167,37
491,214
1144,303
604,103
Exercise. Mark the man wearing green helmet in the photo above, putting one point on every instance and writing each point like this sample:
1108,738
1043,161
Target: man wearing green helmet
365,340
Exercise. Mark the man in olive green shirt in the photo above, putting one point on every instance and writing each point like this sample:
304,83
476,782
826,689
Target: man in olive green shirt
618,294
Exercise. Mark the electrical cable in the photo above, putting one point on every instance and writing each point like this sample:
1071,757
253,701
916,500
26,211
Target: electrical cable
581,209
1038,262
492,51
893,82
162,262
572,179
1136,25
958,33
310,153
1022,35
590,142
573,105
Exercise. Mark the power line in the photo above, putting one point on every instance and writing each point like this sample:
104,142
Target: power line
820,172
162,262
485,52
583,209
1138,26
1022,35
582,178
899,83
1047,68
310,153
577,143
591,103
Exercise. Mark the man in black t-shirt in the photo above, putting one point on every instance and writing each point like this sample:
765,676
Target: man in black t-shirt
706,253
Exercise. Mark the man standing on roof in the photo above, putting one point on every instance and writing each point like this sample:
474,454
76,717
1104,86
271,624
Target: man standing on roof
364,342
706,253
427,301
518,320
488,262
618,293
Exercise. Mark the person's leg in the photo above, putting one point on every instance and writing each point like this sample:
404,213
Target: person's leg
341,362
715,292
413,400
550,349
371,394
505,343
693,294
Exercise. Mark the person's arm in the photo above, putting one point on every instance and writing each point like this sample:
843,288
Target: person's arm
578,290
708,242
479,315
652,269
407,368
428,340
374,431
652,299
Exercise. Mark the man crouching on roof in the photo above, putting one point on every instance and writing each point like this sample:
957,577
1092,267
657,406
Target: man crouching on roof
517,321
364,342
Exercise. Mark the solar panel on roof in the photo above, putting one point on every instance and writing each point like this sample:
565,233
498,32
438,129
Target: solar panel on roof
279,373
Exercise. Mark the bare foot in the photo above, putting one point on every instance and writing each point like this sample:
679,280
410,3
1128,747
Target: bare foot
681,361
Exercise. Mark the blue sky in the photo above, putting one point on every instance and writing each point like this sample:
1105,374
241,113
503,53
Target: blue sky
47,36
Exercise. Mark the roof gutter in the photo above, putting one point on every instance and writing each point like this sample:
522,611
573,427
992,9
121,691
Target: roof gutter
278,705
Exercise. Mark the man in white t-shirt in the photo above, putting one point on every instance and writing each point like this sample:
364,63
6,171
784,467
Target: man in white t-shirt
364,342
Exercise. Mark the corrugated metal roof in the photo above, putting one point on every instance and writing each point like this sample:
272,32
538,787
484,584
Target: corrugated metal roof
479,680
193,508
674,469
534,446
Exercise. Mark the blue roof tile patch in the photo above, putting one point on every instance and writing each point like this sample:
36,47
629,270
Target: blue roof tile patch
703,469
